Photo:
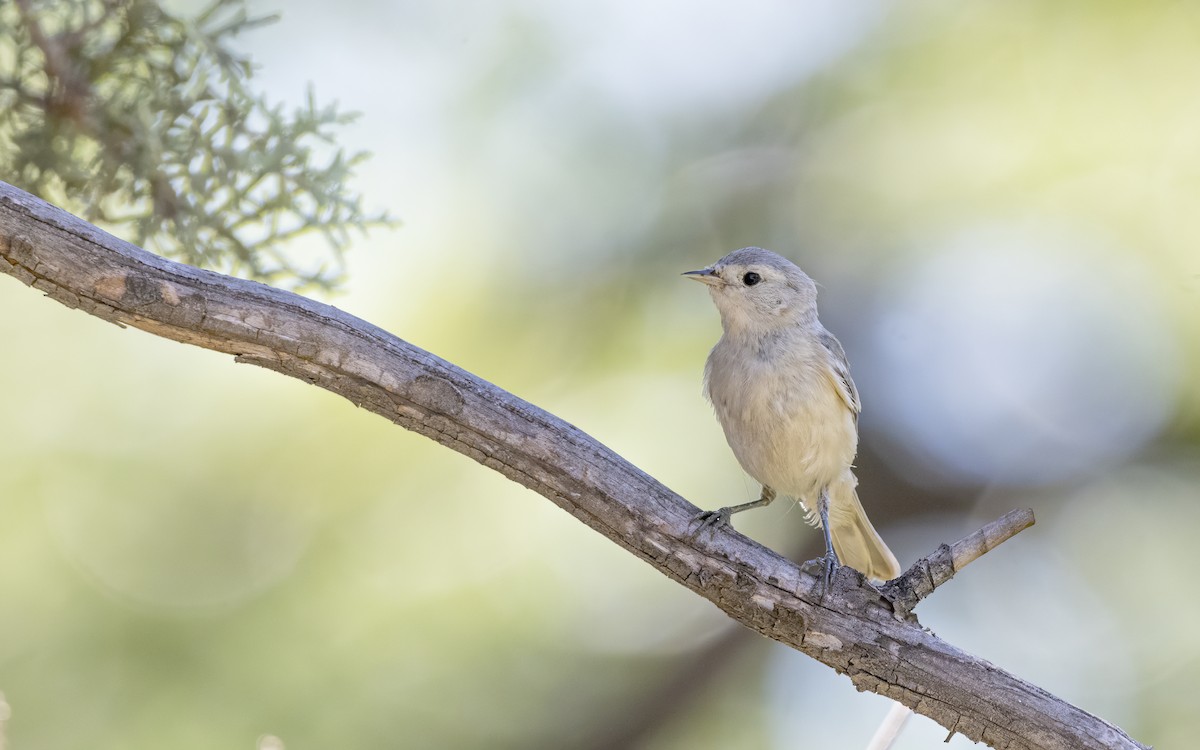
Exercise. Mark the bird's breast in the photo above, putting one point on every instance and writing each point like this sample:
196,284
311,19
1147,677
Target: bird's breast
784,420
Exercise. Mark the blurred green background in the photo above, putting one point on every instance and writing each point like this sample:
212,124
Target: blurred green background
999,201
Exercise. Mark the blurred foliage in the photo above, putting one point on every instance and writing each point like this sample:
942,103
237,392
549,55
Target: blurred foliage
145,121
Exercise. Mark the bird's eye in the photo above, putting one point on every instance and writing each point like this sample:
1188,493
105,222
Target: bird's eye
751,278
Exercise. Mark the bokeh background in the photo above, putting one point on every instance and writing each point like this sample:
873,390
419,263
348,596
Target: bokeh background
1000,203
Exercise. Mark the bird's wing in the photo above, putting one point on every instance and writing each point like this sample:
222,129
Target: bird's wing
839,372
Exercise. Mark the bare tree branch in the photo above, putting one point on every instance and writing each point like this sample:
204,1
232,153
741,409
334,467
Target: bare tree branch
931,571
855,629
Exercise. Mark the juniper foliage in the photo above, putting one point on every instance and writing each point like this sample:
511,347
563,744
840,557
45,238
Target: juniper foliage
145,122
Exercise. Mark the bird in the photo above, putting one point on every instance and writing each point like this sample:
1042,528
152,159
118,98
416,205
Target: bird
780,386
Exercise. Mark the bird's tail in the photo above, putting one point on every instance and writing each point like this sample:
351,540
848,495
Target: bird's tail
854,538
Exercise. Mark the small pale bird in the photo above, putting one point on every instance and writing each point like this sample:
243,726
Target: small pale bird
780,385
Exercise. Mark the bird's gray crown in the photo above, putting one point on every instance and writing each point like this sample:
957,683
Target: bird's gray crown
749,257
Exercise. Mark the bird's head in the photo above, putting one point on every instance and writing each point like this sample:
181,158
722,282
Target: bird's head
757,290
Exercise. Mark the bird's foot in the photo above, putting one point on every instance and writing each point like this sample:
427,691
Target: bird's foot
711,519
831,565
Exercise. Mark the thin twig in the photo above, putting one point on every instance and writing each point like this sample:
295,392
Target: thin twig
926,574
73,90
897,716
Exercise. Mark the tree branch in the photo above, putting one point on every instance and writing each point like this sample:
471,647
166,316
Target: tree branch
855,629
931,571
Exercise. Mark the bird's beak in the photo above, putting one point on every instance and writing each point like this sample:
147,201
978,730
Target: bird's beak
705,275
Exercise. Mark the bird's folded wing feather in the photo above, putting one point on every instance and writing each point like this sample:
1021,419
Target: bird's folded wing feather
839,372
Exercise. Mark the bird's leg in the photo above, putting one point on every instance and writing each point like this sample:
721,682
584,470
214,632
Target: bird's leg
831,559
711,519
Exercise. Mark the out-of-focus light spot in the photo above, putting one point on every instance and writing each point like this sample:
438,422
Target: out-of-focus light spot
270,742
1020,355
1133,532
5,715
673,55
212,546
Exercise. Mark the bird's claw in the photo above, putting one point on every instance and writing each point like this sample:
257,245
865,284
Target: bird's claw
711,519
831,565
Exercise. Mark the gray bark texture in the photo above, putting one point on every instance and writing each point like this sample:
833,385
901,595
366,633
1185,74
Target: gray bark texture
854,628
